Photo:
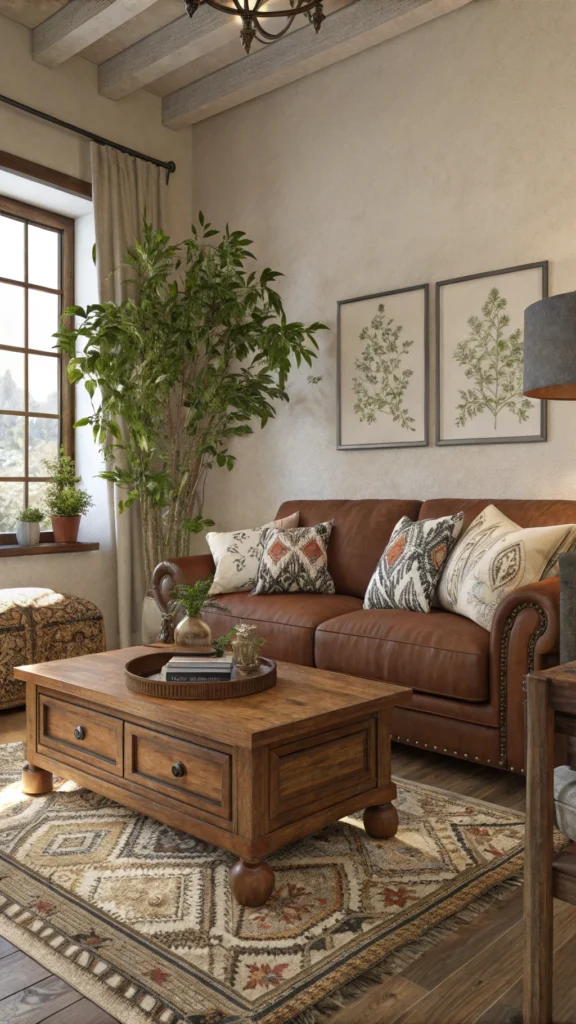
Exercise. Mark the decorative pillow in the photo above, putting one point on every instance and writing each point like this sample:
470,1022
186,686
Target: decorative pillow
496,556
237,555
408,572
295,561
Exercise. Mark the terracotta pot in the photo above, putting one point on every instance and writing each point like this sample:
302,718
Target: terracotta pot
66,529
192,631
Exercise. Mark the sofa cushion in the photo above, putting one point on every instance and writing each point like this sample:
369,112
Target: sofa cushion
408,572
295,561
438,653
359,535
286,621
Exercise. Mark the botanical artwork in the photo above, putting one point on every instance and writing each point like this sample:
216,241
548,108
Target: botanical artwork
492,359
382,359
480,339
381,383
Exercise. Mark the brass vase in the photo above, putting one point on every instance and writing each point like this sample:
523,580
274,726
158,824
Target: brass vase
192,631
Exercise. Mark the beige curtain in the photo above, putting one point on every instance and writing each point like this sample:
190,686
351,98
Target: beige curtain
123,189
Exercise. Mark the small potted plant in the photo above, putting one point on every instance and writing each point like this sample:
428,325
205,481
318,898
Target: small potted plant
65,502
194,598
28,526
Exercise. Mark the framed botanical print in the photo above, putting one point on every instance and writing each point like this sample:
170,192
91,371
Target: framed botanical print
383,369
480,357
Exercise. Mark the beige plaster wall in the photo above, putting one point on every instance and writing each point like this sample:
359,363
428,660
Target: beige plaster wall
447,151
70,92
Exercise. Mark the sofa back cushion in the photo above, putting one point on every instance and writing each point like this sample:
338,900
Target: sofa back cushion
360,533
526,513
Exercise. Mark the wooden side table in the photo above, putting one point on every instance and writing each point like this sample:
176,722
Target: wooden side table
551,708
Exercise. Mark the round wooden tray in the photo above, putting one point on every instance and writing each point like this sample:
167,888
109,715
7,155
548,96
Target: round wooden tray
138,671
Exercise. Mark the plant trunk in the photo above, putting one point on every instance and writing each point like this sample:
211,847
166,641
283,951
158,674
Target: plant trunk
163,534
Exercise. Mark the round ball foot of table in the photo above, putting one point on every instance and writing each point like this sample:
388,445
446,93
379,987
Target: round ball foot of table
36,781
251,883
381,822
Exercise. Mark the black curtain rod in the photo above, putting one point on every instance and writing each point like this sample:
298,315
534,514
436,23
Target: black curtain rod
169,165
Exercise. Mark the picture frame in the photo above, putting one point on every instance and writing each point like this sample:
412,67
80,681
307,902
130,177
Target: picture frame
479,401
383,368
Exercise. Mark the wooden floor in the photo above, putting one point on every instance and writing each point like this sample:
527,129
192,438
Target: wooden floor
472,977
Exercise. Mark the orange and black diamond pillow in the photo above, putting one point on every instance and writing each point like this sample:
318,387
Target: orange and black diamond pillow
408,572
295,561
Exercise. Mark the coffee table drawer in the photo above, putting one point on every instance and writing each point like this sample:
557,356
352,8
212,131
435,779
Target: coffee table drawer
89,736
186,771
315,772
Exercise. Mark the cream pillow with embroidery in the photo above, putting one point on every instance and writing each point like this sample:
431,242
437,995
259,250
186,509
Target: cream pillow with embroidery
237,555
494,557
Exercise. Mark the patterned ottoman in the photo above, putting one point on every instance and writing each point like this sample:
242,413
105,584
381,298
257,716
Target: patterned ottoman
41,625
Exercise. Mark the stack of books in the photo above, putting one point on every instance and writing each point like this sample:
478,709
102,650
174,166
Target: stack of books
190,668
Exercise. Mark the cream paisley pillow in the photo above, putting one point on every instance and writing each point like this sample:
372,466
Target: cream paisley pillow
237,555
495,556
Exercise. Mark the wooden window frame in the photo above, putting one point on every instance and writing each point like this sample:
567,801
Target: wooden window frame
65,226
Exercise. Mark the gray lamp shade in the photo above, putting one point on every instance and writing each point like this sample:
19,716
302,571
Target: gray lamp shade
550,348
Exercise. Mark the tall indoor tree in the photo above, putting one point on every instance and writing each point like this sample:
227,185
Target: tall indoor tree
201,350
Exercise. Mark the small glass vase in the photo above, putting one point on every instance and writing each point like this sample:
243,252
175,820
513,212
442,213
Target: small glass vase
192,631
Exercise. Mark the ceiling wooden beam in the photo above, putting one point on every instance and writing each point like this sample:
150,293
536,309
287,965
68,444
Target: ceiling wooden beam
166,50
79,24
346,32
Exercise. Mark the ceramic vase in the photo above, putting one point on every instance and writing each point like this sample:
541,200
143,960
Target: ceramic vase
28,533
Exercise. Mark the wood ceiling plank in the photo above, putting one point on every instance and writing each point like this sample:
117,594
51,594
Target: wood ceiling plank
348,31
78,24
30,12
171,47
175,48
155,17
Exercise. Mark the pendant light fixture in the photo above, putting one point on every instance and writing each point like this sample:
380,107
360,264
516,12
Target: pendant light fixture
254,16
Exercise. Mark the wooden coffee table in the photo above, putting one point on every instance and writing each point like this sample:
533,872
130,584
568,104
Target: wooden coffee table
249,774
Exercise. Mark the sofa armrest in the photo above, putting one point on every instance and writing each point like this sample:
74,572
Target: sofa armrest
525,629
187,569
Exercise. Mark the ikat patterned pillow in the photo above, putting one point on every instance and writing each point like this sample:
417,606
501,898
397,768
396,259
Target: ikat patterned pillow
237,555
296,561
496,556
408,572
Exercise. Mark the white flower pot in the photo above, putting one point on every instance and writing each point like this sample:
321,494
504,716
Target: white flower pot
28,533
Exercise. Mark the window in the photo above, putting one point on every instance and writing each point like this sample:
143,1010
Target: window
36,401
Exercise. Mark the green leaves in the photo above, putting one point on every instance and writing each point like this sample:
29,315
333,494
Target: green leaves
200,350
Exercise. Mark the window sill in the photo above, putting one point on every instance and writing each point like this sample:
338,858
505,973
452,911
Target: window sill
48,548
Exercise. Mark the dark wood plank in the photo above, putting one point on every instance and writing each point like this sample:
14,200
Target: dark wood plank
82,1012
34,1004
501,1013
18,971
17,550
539,853
47,175
382,1005
467,993
438,962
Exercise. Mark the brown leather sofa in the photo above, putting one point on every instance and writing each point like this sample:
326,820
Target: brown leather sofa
468,699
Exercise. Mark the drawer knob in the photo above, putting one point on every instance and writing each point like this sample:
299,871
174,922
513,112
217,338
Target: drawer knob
178,770
79,732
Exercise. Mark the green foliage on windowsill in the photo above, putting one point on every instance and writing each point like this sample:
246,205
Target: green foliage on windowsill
31,515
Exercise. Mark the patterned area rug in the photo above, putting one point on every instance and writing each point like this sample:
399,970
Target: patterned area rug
139,917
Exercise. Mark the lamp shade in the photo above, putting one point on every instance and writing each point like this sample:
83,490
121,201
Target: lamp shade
550,348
